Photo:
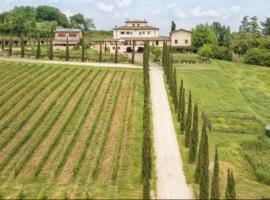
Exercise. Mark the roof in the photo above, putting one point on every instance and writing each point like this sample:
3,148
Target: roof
138,39
136,21
181,30
67,30
136,28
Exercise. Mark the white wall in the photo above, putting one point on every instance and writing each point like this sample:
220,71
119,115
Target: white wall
117,34
181,37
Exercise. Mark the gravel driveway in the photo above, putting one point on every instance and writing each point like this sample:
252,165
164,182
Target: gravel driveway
171,183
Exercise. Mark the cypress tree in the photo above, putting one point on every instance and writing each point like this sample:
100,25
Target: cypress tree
3,43
215,194
188,121
100,52
116,53
175,99
51,49
180,99
183,111
38,48
133,52
22,47
67,50
163,55
204,165
83,47
194,136
10,46
230,189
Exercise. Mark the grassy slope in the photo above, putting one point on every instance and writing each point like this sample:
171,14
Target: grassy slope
236,97
62,110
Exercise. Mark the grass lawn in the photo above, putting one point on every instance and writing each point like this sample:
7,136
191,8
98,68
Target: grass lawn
236,98
66,131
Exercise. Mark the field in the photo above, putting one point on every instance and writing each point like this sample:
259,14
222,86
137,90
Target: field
236,98
70,132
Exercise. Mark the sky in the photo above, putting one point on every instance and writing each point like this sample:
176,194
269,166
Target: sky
186,13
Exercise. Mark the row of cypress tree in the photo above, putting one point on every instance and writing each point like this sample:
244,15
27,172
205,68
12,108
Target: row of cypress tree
146,149
189,126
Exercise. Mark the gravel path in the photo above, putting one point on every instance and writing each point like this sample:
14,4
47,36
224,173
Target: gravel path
112,65
171,183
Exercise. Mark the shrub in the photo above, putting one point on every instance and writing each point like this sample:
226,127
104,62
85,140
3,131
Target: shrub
258,57
216,52
206,51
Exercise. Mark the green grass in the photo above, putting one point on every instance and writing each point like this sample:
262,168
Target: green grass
55,123
236,98
188,58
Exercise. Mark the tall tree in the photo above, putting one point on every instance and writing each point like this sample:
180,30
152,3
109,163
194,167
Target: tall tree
100,52
194,136
180,99
79,21
174,90
204,165
266,26
83,46
188,121
116,53
38,48
215,193
50,51
244,27
183,113
254,25
67,50
222,32
133,52
10,44
3,43
230,189
22,47
173,27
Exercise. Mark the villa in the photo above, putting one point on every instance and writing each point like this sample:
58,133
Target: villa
61,35
137,32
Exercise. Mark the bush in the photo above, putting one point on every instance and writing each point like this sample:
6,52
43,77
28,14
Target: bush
206,51
216,52
257,56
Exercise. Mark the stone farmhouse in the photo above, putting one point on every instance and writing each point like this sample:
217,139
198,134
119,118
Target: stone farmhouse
137,32
61,35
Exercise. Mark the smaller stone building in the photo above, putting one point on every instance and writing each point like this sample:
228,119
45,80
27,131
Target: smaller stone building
61,35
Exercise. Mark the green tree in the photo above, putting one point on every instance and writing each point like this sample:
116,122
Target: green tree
188,121
173,27
203,34
230,189
3,43
79,21
67,50
10,44
204,165
22,47
174,90
266,26
133,52
244,27
116,53
215,193
83,47
194,137
239,43
183,113
100,52
222,32
50,51
254,25
206,51
180,99
38,48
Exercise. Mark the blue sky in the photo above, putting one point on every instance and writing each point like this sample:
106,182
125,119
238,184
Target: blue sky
186,13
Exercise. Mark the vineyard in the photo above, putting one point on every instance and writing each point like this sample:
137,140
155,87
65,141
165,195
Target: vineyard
70,132
235,97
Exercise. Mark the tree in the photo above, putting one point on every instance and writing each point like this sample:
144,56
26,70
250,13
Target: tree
100,52
180,99
204,165
254,25
183,113
174,90
49,13
266,26
67,50
51,49
133,52
230,189
222,32
203,34
10,43
22,47
83,47
173,27
116,53
188,121
38,48
206,51
244,27
3,43
239,43
79,21
215,193
194,136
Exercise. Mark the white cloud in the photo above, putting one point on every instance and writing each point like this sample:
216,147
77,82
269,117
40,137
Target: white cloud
200,12
122,3
105,7
235,9
68,13
171,5
181,14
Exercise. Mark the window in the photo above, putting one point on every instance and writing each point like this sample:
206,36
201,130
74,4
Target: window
133,24
72,35
149,32
140,33
113,48
157,43
186,41
143,33
138,24
127,33
122,33
61,35
176,42
130,33
118,48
